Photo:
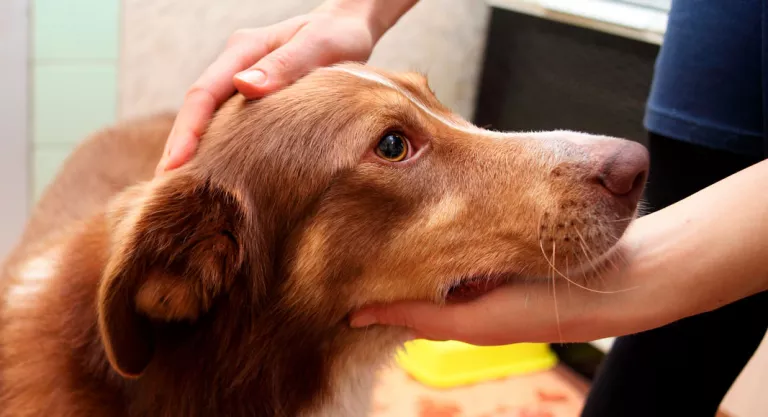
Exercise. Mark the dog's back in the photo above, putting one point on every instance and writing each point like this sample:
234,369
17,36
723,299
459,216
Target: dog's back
100,167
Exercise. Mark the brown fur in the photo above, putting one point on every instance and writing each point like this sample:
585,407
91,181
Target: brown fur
223,287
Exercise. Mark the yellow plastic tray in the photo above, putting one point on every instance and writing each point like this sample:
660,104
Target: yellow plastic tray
450,364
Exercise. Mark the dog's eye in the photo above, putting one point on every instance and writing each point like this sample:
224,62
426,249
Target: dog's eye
392,147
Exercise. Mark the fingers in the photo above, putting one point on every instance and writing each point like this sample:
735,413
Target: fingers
206,94
283,66
185,134
258,62
321,42
215,86
507,315
428,321
466,322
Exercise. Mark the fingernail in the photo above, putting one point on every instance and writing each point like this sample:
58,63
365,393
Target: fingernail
363,320
161,165
174,158
255,77
173,153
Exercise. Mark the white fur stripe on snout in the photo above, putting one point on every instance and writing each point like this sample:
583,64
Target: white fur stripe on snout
552,143
381,80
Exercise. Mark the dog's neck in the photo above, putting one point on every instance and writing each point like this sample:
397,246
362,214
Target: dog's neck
293,367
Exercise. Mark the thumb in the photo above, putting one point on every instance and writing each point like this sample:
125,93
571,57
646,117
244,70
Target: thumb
280,68
426,320
503,316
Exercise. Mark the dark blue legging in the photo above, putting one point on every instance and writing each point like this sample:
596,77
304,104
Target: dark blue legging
687,367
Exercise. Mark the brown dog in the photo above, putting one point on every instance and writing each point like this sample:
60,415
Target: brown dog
222,288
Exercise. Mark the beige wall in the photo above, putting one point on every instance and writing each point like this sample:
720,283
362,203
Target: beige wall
166,44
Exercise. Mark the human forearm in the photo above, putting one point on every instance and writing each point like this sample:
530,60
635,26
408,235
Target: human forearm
380,14
706,251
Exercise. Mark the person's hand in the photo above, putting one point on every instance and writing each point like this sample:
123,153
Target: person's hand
266,59
525,312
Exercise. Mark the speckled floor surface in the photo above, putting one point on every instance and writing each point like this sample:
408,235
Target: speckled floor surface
555,393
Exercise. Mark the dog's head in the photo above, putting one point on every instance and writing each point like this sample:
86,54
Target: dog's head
353,186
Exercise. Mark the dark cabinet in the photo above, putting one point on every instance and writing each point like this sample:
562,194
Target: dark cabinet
543,75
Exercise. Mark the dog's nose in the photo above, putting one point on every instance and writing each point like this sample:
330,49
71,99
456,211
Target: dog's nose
623,171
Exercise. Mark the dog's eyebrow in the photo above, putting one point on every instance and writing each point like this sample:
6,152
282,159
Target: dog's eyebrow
381,80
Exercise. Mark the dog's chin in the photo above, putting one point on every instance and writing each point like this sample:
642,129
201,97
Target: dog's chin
474,287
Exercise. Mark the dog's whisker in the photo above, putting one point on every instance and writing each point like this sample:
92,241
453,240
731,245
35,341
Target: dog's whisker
575,283
612,259
587,253
590,253
567,272
617,255
619,220
602,268
554,294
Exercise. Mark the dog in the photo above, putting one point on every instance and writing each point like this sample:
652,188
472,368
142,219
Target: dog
223,287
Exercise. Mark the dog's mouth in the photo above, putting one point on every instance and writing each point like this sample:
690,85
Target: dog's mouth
470,288
475,286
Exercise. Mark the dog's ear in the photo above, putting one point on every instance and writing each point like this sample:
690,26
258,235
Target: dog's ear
174,248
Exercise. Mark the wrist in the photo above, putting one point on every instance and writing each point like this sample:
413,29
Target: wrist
653,254
378,15
641,295
672,271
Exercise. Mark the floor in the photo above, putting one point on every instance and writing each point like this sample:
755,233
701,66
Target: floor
554,393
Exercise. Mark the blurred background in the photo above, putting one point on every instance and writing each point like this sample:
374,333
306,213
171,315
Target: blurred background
70,67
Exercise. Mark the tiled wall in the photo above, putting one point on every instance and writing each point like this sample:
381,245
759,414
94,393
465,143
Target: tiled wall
75,51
